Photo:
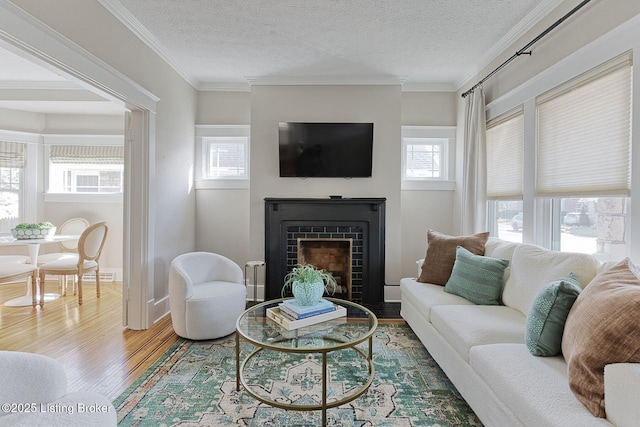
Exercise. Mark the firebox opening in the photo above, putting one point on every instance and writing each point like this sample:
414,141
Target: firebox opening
331,255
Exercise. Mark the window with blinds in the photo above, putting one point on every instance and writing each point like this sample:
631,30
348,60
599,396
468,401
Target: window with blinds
584,134
505,156
12,162
86,168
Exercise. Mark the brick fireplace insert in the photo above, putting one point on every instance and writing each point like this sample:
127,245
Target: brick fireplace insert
318,232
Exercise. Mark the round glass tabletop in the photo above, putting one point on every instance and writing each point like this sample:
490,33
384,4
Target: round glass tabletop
358,325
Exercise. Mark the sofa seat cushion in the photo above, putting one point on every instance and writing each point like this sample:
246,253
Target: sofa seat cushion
466,326
425,296
534,388
533,267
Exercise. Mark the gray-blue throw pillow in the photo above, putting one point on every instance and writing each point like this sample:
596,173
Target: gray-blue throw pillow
476,278
548,314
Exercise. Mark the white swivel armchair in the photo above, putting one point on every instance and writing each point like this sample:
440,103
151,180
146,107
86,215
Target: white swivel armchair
206,295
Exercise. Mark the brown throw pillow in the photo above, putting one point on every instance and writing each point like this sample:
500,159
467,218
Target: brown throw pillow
441,254
603,327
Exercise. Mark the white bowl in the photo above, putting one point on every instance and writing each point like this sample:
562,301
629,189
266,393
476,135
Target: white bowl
33,233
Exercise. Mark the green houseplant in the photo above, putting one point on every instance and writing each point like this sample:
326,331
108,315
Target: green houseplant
308,284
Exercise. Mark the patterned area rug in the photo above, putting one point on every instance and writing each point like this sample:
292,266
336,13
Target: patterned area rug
194,384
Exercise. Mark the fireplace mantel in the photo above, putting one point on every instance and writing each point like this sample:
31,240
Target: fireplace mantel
368,214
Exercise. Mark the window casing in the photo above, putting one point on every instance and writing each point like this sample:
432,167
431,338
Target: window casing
428,155
222,156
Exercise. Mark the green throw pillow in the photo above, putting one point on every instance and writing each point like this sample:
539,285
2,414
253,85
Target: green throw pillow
548,314
476,278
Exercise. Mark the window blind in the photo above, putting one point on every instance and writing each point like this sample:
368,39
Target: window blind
11,154
584,134
505,156
87,154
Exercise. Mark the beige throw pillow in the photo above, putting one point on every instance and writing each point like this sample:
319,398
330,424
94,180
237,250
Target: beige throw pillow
441,254
603,327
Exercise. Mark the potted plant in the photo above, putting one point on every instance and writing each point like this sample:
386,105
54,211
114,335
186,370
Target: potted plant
308,284
26,231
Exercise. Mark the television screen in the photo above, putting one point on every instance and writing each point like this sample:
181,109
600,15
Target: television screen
333,150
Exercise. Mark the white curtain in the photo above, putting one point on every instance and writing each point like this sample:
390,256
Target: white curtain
474,179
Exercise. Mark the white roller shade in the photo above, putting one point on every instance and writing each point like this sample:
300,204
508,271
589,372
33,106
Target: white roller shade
584,134
505,156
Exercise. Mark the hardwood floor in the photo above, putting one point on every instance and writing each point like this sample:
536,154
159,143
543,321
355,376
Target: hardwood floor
97,352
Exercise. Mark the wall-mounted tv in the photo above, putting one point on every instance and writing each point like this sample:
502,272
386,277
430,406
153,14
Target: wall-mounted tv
329,150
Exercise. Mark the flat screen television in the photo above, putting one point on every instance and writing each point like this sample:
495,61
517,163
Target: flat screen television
328,150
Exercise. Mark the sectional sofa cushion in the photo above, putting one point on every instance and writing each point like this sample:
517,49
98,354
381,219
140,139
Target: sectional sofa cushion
602,328
465,326
441,254
532,267
425,296
476,278
535,389
548,314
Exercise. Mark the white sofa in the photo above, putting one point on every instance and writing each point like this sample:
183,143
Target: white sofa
482,350
34,393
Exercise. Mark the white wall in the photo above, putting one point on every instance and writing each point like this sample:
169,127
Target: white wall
223,217
377,104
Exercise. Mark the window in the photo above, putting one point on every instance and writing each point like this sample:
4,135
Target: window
505,166
226,157
424,157
222,156
86,168
584,159
427,157
12,162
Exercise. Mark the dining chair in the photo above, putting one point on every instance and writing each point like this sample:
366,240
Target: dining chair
86,260
67,248
12,271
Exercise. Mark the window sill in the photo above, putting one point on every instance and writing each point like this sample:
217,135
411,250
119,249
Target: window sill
427,185
82,198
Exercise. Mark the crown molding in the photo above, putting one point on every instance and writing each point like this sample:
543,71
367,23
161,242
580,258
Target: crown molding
140,31
223,87
30,38
324,80
544,8
38,85
429,87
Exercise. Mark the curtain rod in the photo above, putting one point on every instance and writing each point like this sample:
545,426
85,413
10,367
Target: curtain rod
524,51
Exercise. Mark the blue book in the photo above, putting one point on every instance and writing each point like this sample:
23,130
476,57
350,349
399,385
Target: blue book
303,309
286,310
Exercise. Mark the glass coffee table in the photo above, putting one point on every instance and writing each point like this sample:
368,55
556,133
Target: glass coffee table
334,340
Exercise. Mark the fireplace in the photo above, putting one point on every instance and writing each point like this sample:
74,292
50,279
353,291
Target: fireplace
342,236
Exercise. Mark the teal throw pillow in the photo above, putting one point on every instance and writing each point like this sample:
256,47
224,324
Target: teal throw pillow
548,314
476,278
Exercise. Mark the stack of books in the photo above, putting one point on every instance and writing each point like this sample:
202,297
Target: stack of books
296,311
291,315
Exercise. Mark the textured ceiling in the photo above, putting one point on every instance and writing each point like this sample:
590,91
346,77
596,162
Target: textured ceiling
435,42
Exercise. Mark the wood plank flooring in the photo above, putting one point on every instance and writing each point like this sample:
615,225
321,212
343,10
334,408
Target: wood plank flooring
97,352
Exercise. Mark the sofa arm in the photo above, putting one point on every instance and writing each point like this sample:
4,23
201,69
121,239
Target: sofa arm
28,377
621,391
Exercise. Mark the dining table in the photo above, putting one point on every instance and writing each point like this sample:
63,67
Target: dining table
33,246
